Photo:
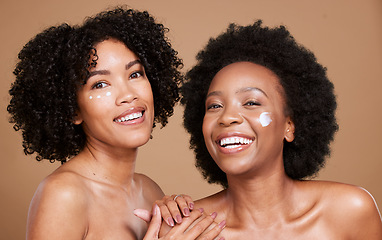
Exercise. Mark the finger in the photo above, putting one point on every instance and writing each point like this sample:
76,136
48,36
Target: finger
197,229
173,209
166,215
182,204
214,232
188,222
190,202
143,214
155,224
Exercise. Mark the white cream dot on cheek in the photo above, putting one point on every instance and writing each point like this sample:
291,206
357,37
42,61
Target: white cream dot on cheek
99,96
265,119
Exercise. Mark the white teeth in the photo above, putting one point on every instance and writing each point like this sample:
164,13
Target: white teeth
129,117
234,141
231,146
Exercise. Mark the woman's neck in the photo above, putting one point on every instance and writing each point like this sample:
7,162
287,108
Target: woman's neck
111,166
260,200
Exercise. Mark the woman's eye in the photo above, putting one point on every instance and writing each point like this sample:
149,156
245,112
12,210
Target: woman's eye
252,103
136,75
99,85
213,106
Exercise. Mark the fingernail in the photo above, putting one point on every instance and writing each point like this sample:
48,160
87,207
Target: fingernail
135,212
170,222
222,224
178,218
191,206
201,210
186,212
155,210
213,215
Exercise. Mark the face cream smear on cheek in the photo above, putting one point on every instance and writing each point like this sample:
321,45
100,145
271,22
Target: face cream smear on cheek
265,119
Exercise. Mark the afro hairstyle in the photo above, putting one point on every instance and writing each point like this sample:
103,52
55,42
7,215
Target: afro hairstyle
310,99
54,64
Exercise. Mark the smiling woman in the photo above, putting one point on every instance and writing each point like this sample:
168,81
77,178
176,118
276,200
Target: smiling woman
89,96
250,110
261,114
122,112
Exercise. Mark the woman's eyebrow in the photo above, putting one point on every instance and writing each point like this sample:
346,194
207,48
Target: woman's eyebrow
248,89
99,72
241,90
132,63
214,93
107,72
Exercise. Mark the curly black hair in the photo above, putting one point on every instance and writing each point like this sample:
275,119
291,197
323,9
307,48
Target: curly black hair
310,99
55,63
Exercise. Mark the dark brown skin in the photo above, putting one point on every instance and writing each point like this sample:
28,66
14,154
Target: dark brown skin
261,201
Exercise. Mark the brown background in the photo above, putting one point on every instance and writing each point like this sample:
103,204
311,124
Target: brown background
346,36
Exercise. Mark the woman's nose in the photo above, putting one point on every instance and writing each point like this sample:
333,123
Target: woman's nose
126,94
230,116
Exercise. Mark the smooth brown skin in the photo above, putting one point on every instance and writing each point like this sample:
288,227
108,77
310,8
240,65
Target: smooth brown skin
262,201
94,195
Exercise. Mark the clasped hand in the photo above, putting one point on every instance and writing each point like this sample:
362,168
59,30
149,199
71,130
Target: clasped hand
180,220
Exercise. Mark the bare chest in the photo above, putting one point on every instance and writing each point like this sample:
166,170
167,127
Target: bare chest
312,231
111,217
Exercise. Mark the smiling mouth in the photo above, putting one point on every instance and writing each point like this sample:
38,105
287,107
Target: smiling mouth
234,142
129,117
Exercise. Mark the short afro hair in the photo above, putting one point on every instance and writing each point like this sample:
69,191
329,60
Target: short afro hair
55,63
310,100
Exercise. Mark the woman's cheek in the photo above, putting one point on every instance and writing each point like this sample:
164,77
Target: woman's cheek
265,119
99,96
207,129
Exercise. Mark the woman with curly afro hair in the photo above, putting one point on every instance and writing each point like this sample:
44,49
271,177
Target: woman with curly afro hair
261,114
91,94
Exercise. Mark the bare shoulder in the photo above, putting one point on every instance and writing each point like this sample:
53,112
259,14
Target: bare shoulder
58,207
63,185
350,205
344,196
214,202
152,189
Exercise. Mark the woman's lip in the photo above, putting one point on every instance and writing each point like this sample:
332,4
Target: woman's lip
233,134
130,111
139,113
245,141
237,149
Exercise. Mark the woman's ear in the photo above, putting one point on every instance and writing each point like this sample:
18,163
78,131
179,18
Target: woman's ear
77,119
289,131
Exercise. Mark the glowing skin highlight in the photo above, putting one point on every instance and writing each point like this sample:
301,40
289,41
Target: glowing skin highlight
265,119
